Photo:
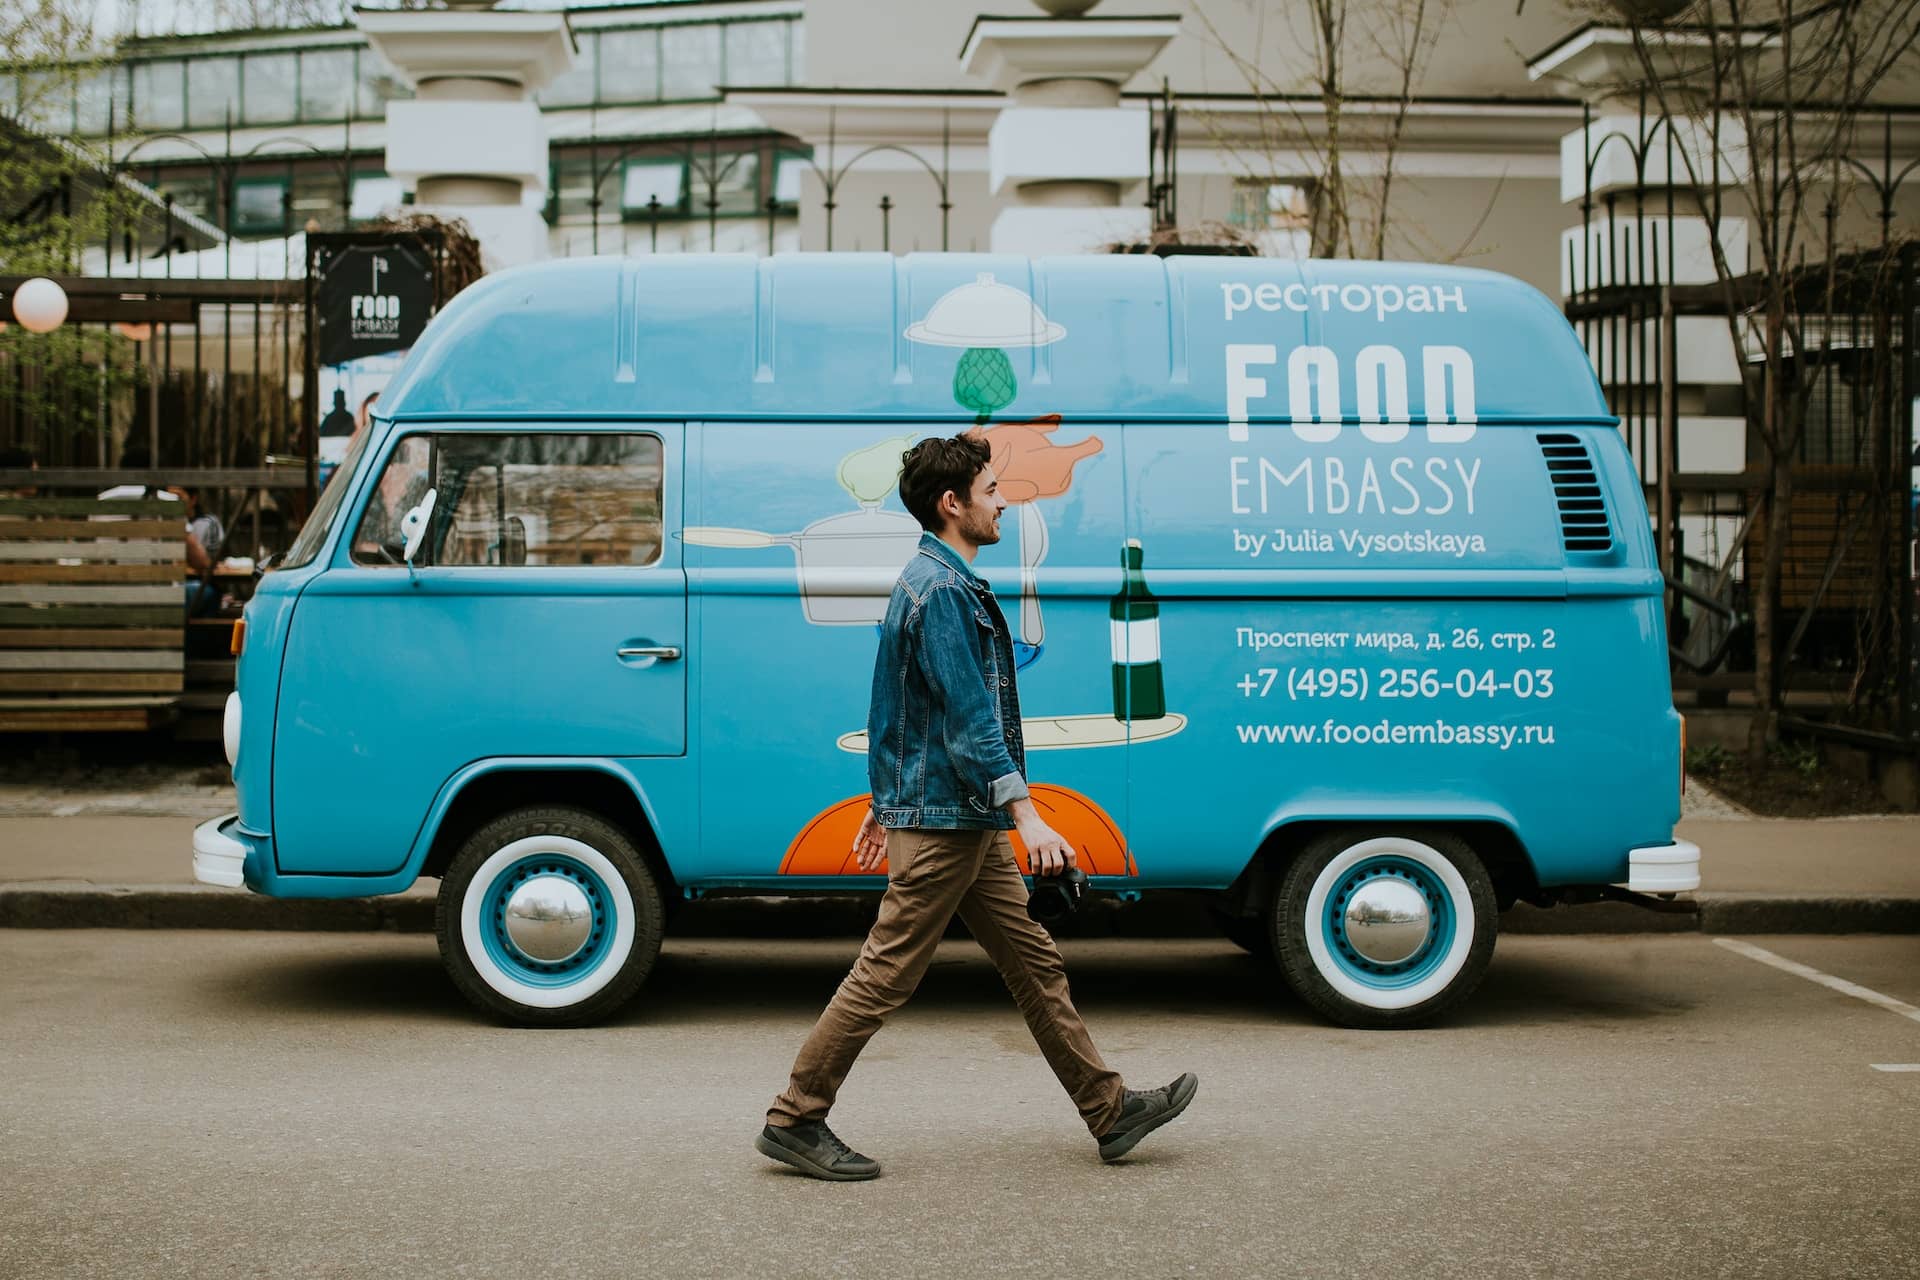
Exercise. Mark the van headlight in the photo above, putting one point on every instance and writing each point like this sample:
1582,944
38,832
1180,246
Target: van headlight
230,729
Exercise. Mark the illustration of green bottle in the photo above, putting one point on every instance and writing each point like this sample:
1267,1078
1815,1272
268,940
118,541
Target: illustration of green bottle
1139,689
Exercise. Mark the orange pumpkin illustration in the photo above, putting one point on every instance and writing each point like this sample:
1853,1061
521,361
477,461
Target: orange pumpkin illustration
824,846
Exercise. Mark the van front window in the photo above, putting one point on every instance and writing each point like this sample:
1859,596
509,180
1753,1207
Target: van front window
314,533
533,500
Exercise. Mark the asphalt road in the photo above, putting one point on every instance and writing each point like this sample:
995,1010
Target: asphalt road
226,1104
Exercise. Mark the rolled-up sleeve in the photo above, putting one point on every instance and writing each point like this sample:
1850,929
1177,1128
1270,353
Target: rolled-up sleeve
952,668
1007,788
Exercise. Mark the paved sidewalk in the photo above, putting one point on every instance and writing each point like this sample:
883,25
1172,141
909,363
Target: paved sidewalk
126,859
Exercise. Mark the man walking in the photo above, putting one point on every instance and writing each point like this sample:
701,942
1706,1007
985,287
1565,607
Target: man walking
946,763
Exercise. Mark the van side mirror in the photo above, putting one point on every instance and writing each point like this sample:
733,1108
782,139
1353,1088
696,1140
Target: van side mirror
413,526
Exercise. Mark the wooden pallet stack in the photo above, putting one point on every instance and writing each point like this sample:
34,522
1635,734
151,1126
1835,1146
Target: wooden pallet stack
91,607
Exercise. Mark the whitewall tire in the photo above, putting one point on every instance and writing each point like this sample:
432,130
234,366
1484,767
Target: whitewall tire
1384,927
548,917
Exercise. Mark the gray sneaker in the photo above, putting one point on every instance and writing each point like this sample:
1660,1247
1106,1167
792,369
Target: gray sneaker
1142,1113
816,1151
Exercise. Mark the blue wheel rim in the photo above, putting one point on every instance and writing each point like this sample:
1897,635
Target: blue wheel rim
517,964
1416,967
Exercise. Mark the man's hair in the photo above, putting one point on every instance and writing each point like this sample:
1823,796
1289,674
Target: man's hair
938,464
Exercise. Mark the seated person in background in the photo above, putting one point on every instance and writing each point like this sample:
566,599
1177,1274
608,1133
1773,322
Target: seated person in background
205,537
205,534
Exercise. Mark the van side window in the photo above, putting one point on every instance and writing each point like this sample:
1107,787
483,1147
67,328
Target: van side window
530,499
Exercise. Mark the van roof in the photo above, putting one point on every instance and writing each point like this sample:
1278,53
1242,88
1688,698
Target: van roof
962,337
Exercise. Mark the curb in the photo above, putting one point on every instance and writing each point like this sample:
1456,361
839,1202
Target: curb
77,905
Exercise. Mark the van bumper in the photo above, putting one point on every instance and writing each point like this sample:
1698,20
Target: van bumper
218,857
1665,868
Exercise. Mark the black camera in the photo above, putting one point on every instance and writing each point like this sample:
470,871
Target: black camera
1055,898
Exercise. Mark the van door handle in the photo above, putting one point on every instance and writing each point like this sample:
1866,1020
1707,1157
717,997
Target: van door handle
664,652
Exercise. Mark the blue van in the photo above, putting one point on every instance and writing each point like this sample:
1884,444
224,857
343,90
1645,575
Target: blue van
1332,583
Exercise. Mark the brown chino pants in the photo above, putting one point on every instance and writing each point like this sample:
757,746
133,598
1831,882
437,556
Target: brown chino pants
931,875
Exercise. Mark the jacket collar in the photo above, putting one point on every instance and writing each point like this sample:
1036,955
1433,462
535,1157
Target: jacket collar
931,545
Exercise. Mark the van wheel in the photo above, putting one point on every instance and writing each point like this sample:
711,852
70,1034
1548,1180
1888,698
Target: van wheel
548,918
1384,928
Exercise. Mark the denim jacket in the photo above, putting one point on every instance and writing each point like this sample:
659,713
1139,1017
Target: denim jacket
944,748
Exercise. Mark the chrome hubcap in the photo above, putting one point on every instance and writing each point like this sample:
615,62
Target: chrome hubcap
549,919
1387,920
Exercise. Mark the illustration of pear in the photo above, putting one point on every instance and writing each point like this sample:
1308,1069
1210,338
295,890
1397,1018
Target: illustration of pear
985,318
870,474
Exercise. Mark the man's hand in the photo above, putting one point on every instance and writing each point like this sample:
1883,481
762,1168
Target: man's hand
870,845
1047,850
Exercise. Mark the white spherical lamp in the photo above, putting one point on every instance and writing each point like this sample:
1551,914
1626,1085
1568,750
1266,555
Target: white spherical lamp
40,305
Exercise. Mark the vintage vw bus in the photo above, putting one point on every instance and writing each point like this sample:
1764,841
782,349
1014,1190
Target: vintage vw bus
1332,584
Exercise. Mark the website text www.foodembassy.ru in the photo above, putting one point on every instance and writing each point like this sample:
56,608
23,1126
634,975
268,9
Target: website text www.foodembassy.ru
1504,737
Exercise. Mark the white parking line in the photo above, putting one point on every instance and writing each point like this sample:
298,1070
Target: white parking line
1896,1066
1811,974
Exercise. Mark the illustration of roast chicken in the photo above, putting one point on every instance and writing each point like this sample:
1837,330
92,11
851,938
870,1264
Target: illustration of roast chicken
1029,465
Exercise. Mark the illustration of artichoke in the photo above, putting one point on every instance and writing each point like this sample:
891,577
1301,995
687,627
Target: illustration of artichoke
985,318
984,382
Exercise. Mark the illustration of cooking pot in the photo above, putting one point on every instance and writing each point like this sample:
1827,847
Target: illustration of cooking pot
848,562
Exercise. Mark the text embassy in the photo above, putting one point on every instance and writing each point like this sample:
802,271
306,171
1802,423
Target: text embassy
1327,485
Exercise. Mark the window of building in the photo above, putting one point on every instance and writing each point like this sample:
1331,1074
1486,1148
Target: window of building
317,197
213,91
756,52
576,87
644,181
796,52
272,88
326,83
630,65
374,195
788,173
159,95
535,500
570,190
192,193
94,93
46,100
378,85
1837,428
689,61
1263,205
259,207
732,182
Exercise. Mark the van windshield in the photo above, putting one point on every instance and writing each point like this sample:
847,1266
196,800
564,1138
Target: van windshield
314,532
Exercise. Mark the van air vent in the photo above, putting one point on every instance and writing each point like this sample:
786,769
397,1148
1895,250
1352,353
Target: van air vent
1576,489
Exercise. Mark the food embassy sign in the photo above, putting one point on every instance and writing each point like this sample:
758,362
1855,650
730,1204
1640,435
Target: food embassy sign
369,299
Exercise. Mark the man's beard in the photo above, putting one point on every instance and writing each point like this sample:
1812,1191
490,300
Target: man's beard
982,531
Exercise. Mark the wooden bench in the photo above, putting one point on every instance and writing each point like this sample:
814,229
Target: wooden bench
91,612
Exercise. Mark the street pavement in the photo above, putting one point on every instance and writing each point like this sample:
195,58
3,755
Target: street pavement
210,1104
106,862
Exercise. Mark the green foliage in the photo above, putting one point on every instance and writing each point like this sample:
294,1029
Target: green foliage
1708,760
60,383
56,194
1803,758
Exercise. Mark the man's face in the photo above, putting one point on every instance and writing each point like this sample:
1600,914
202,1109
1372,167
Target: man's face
979,518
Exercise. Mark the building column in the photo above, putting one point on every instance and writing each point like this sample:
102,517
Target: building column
472,143
1068,152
